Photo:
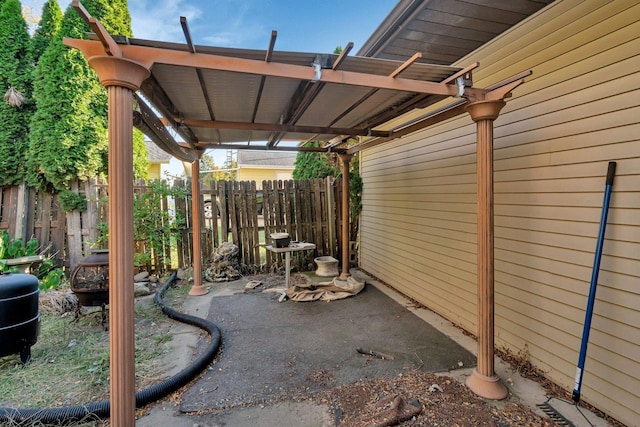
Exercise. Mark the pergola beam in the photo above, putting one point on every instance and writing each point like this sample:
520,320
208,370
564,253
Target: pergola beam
147,121
466,71
148,56
406,64
418,102
343,55
187,34
379,118
157,96
437,116
296,149
271,127
263,79
109,44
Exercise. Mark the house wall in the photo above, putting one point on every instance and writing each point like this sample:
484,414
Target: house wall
154,170
579,110
260,174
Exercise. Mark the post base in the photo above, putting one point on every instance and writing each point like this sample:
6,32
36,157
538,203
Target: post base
197,291
487,387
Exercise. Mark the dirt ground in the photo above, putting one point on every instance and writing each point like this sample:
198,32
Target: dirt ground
410,400
423,399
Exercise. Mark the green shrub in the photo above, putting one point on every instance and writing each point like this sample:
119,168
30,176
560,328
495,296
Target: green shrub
49,276
14,248
70,201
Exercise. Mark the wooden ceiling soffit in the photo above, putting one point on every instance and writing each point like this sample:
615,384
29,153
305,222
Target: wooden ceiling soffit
149,123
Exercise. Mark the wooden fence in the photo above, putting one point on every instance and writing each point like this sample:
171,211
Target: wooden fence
306,209
65,236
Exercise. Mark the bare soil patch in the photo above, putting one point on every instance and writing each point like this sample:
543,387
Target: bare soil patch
439,401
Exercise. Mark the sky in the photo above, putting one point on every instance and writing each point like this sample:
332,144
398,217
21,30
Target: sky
302,25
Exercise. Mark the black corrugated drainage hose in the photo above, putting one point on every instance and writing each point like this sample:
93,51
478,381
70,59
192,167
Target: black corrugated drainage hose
71,414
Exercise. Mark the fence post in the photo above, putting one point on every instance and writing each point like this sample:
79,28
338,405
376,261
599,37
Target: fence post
22,211
225,199
74,232
92,213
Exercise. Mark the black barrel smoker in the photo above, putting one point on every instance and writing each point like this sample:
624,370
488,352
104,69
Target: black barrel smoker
19,314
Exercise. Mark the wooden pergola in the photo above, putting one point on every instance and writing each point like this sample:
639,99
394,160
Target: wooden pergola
251,99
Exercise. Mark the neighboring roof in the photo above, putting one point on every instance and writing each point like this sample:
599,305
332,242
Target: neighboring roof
156,154
266,159
444,31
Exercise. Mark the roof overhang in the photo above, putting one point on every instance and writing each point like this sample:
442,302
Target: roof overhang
444,31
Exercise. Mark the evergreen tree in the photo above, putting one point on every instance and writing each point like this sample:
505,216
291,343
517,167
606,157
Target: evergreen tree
69,129
47,28
140,156
16,107
311,165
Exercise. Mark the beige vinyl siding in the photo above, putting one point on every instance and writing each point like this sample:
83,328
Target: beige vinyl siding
258,174
553,140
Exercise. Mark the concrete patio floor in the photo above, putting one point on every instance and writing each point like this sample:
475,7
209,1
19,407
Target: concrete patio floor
273,349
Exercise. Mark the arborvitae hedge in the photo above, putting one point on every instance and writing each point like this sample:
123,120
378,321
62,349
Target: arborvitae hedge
47,29
16,75
68,137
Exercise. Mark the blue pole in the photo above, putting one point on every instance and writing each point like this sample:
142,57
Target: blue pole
594,283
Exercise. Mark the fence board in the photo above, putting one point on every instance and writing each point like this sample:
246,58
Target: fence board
255,224
9,211
182,247
268,202
92,214
74,233
224,211
166,251
318,223
24,223
42,218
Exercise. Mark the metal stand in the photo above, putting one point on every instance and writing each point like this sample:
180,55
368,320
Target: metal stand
293,247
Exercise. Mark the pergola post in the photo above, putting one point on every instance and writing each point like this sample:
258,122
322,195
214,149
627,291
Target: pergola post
198,288
122,78
345,159
483,381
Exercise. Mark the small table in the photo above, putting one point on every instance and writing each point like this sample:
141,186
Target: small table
293,247
23,264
